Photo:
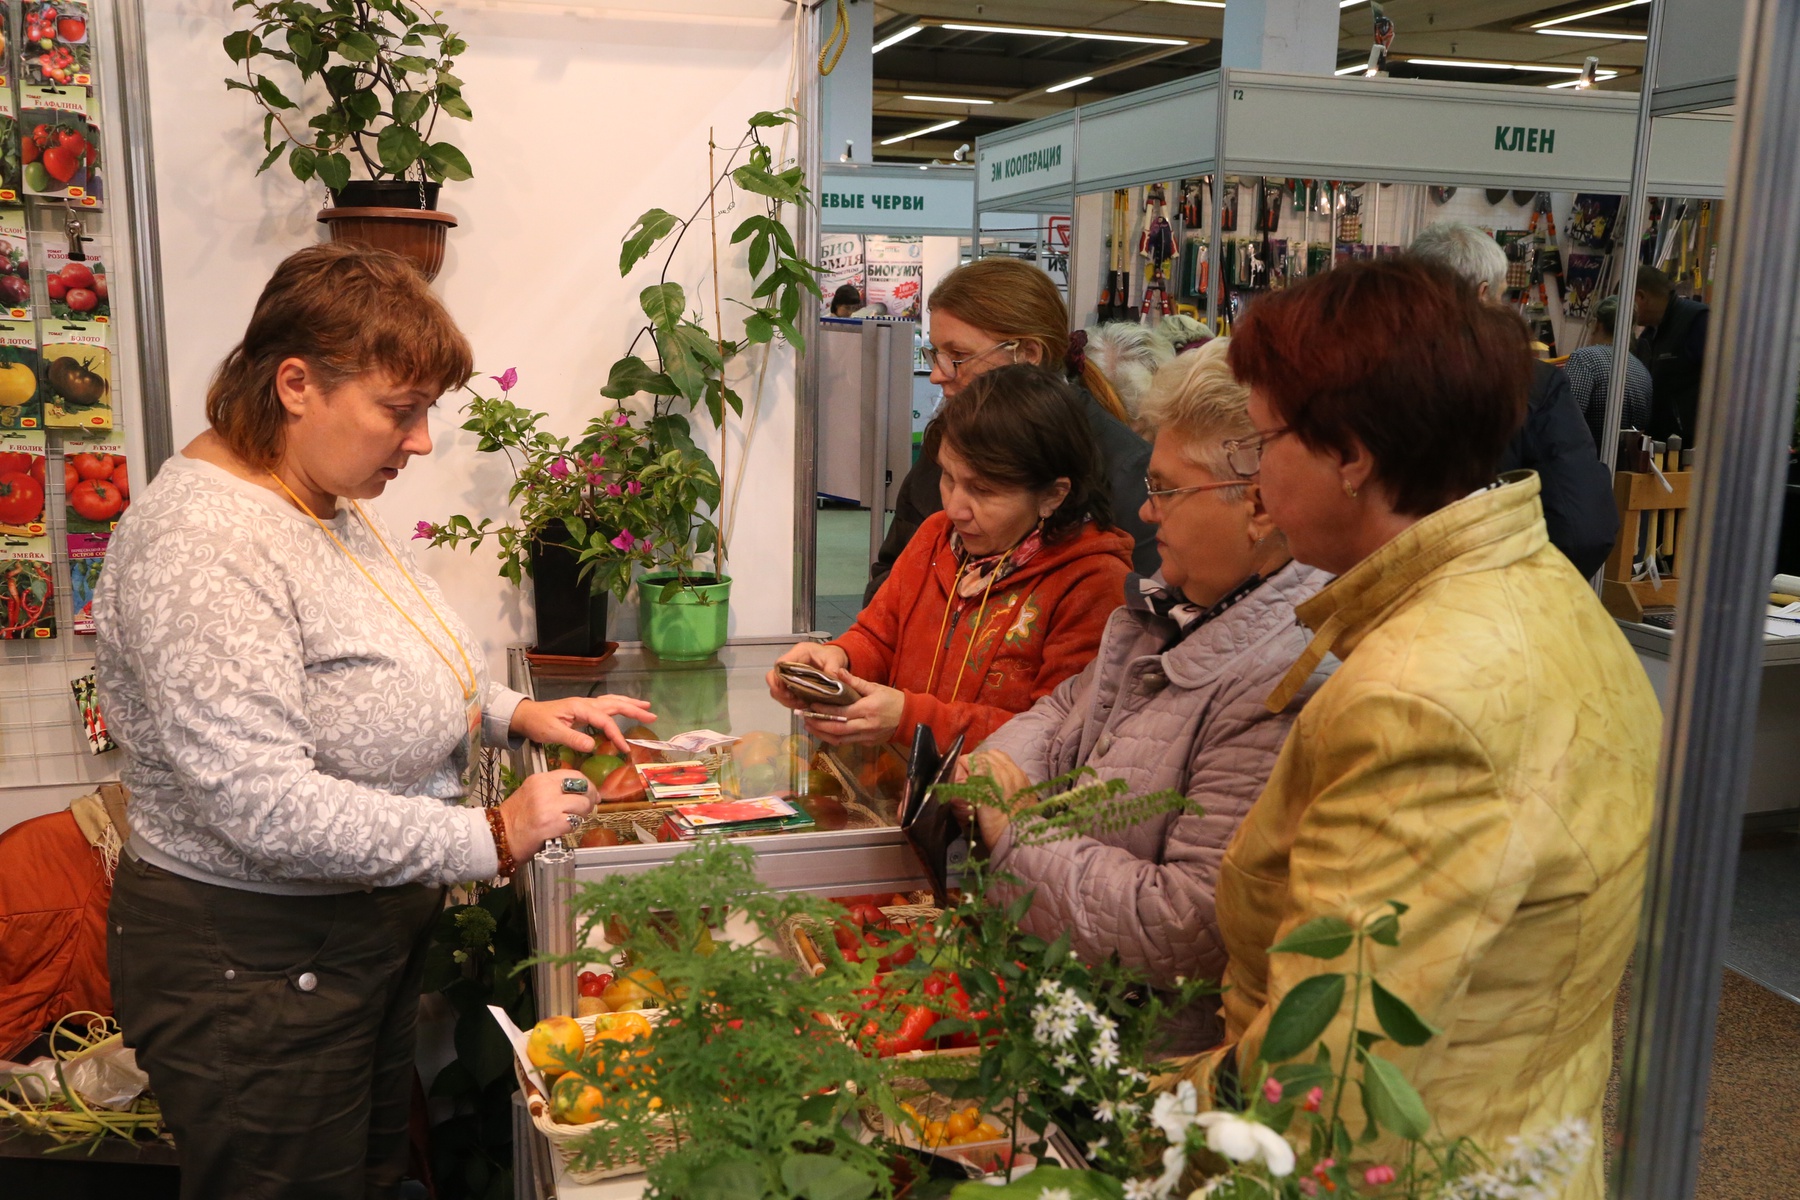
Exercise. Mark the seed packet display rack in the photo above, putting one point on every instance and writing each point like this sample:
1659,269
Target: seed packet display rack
1290,130
45,747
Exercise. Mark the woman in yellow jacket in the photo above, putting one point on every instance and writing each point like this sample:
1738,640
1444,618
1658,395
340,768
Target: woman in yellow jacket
1485,752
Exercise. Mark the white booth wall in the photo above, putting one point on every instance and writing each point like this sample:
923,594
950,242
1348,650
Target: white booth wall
584,118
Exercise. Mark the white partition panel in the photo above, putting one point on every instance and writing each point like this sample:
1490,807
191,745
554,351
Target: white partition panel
1031,164
899,200
1160,133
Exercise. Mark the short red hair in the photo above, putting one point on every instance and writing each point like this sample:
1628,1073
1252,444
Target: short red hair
1401,355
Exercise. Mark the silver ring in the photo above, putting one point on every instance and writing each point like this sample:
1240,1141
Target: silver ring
575,786
574,821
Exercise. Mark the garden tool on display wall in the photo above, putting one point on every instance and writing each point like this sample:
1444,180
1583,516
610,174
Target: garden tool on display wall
1157,247
1350,223
1228,202
1192,203
1542,231
1115,299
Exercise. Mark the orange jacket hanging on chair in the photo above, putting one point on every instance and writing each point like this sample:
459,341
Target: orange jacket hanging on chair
53,895
1040,625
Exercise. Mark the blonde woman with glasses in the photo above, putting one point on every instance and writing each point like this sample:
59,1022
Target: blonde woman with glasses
1175,699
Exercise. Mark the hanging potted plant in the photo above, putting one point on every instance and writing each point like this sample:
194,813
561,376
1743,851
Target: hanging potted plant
384,67
628,495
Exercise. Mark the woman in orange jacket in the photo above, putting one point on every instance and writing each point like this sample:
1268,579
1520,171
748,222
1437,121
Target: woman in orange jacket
999,597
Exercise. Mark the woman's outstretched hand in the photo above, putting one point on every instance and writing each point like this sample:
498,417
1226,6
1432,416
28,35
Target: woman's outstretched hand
559,721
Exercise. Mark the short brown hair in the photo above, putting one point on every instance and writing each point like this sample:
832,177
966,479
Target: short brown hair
1013,299
1401,355
1024,426
345,310
1653,281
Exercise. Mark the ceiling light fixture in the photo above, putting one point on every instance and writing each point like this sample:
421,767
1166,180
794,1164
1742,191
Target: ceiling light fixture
1599,35
949,99
1348,3
1198,3
1586,13
920,132
1576,83
1066,84
895,38
1088,35
1484,65
1352,69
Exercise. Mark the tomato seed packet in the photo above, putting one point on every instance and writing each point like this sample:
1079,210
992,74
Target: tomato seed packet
77,377
95,487
90,195
21,397
77,290
23,467
15,266
53,45
54,141
8,55
10,148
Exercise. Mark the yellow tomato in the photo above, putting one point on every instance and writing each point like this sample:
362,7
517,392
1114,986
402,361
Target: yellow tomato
575,1101
960,1123
555,1043
620,1027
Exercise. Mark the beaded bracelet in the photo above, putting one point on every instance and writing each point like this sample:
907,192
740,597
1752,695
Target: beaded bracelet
497,824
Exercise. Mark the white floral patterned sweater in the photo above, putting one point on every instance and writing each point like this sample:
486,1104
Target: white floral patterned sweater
285,730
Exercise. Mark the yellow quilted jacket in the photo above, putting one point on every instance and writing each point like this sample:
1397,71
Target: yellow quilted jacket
1486,754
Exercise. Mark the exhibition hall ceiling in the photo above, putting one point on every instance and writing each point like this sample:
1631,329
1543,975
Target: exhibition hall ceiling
1027,56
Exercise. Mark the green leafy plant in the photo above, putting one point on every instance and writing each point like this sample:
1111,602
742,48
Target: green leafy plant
754,1086
385,68
626,494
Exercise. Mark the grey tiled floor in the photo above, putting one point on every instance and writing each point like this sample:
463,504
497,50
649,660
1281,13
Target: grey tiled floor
1765,914
842,567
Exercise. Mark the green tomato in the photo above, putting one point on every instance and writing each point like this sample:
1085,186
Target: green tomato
600,766
36,178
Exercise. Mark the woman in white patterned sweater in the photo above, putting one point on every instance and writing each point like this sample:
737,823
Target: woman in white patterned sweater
299,708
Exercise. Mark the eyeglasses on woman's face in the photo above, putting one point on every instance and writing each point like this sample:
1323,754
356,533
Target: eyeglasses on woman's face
948,364
1155,493
1244,455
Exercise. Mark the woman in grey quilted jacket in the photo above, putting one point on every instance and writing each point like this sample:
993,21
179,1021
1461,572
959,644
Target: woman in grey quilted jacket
1175,699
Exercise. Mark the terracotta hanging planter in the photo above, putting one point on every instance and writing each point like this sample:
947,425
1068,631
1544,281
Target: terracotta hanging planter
414,233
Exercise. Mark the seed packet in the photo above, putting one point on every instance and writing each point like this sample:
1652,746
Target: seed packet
54,46
27,588
87,700
15,266
21,396
23,464
54,141
95,486
10,165
77,290
9,51
90,196
77,376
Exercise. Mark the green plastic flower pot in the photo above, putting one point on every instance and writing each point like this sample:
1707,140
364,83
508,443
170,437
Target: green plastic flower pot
689,624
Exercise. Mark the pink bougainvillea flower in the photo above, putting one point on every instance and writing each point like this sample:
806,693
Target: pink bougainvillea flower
613,489
1376,1176
595,480
1314,1099
506,379
1322,1166
596,462
634,488
1272,1091
645,545
559,469
621,418
626,540
424,529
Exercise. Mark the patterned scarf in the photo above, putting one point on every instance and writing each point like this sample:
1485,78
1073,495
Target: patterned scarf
1147,594
977,572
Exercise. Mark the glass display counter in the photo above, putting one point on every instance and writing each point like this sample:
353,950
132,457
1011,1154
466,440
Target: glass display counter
852,792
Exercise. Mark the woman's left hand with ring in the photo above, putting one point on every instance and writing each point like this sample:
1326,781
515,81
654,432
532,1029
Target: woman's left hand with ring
547,805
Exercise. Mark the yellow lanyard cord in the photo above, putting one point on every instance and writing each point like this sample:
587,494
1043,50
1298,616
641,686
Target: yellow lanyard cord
980,614
469,688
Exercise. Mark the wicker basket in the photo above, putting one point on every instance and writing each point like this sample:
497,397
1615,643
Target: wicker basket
562,1138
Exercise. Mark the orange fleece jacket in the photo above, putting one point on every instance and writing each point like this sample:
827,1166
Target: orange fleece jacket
1042,625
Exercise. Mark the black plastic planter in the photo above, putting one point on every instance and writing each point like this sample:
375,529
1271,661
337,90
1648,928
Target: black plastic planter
570,620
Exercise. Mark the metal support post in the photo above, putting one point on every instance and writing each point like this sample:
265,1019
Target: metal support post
1746,414
806,375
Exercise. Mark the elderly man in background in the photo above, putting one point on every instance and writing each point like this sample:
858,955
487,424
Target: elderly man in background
1673,346
1554,440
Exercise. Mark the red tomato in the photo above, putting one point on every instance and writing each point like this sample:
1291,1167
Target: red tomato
29,151
62,164
867,915
99,288
68,139
71,29
119,478
21,499
91,153
96,500
82,300
15,462
39,465
76,275
71,477
94,466
58,289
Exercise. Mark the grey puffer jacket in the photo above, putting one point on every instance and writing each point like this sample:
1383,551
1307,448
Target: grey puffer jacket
1191,719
